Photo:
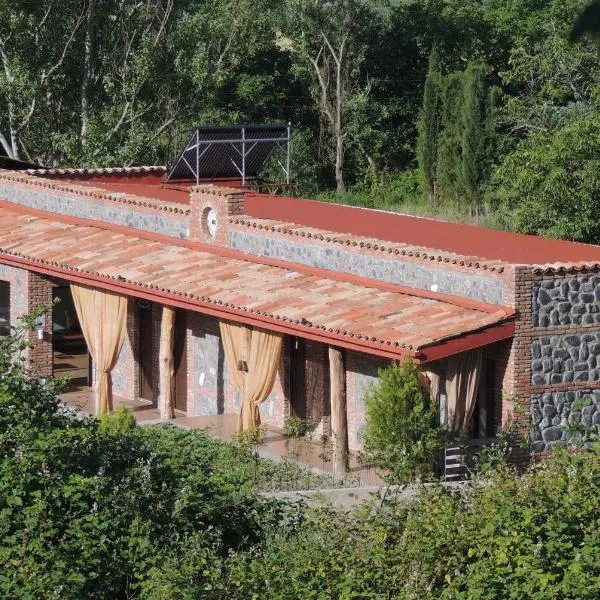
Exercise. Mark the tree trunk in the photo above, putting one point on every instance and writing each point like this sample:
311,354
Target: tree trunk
339,421
339,162
12,126
338,129
87,69
166,366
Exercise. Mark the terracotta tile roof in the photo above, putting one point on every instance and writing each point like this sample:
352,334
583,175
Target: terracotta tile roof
99,171
558,268
208,278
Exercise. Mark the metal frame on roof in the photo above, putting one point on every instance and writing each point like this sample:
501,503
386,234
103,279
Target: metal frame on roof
221,151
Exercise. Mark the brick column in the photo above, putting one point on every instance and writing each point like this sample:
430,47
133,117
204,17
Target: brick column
40,356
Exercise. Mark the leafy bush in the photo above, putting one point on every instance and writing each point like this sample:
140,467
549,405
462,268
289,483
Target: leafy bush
402,434
550,184
534,536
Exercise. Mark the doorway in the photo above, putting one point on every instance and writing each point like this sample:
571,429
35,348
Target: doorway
298,406
180,360
70,356
145,350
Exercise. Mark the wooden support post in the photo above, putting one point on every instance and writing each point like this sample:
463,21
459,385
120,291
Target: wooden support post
339,420
166,365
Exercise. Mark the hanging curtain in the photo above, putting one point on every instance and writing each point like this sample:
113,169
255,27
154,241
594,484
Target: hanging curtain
236,344
259,352
462,381
102,316
434,386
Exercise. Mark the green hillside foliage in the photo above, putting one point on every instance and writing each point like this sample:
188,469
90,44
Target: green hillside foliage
458,91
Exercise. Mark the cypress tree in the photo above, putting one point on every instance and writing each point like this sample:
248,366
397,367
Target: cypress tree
429,126
448,175
476,126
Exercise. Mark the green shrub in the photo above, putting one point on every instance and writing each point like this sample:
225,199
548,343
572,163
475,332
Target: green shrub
402,433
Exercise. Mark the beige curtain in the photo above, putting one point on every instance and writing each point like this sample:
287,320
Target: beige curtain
434,385
102,316
261,352
462,381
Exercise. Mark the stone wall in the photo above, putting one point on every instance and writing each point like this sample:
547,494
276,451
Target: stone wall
138,215
124,371
361,373
18,280
567,301
556,417
421,275
566,358
211,390
209,379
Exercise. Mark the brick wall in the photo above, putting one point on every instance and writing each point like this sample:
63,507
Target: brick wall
39,294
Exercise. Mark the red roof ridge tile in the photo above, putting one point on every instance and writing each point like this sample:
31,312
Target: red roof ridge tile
560,268
92,191
98,170
396,248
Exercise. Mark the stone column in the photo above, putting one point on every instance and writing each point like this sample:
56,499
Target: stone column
339,419
166,365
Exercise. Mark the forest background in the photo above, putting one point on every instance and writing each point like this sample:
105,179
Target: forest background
470,110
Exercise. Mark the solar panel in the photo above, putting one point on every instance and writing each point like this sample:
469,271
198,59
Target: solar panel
231,151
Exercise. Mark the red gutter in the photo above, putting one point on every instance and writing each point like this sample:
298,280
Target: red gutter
442,349
297,267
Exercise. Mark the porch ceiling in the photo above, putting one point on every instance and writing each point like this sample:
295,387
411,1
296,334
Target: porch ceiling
364,316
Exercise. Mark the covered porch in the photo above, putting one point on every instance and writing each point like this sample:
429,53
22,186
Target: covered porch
250,327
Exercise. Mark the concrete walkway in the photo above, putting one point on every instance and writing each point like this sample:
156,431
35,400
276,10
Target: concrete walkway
348,498
308,453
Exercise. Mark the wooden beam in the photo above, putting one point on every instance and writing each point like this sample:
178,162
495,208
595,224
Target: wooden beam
339,419
166,365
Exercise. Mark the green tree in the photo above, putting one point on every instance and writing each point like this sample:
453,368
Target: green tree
550,185
402,432
328,41
476,134
430,125
449,180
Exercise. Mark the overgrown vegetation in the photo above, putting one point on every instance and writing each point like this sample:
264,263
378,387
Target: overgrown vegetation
106,509
449,108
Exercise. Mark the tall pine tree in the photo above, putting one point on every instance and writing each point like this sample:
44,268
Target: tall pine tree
429,126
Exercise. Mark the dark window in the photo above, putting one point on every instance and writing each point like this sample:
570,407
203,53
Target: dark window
4,308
